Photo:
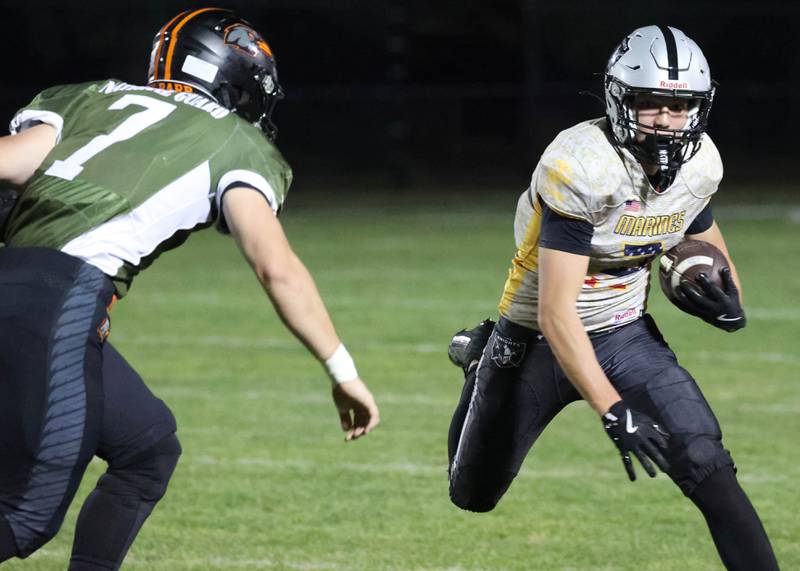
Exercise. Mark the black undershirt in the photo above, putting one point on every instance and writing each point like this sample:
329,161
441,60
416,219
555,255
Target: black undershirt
702,221
559,232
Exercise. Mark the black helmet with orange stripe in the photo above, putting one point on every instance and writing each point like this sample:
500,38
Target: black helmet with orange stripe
214,52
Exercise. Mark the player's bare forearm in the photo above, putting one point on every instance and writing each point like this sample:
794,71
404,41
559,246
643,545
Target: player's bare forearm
22,154
294,294
714,237
297,301
286,280
564,332
561,276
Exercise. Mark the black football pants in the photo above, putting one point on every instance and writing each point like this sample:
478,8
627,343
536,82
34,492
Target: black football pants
65,396
518,388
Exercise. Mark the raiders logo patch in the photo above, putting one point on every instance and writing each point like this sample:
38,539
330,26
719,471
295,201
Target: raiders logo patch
507,353
104,329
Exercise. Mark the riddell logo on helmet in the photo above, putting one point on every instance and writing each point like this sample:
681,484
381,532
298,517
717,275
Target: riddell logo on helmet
674,84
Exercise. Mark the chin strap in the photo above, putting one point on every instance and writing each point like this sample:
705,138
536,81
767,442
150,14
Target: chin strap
662,152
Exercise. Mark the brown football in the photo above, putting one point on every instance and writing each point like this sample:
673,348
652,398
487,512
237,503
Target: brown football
685,261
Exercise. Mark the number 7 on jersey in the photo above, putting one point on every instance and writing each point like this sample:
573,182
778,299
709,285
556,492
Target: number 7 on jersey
154,112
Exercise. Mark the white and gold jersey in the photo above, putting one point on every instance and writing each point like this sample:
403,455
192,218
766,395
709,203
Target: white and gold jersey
583,175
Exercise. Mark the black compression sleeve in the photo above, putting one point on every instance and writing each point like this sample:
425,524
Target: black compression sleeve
566,234
737,531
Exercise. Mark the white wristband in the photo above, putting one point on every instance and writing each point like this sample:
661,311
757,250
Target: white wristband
340,366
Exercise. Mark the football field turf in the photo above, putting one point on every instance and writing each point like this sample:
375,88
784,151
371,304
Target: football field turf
266,482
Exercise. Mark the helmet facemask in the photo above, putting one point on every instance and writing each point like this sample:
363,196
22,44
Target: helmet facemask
660,62
663,147
271,94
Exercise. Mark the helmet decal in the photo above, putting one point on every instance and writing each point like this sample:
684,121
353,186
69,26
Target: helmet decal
620,51
244,38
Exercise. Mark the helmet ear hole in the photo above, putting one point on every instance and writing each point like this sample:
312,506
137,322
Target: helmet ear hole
223,97
245,99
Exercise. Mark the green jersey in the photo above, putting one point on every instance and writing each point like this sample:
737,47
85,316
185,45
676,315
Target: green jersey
134,171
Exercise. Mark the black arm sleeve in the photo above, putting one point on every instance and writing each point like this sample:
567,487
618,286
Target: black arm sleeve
702,221
565,234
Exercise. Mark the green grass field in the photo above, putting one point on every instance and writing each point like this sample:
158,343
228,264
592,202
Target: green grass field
266,482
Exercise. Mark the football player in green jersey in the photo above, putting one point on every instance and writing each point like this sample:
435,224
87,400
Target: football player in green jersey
109,176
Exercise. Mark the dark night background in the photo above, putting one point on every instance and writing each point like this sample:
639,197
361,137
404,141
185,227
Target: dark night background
404,93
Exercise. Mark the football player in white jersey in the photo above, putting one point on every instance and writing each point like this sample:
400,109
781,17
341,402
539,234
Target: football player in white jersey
608,196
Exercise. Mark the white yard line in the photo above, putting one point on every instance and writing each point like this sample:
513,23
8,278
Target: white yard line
777,408
773,314
254,303
228,563
417,469
756,212
747,356
206,563
427,304
231,342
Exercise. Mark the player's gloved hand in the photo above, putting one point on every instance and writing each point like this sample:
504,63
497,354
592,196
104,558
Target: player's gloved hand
358,412
636,433
720,308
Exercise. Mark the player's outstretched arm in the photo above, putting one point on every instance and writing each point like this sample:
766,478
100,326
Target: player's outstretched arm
21,155
295,297
561,276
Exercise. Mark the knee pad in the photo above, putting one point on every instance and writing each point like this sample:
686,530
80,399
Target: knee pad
144,475
695,447
695,459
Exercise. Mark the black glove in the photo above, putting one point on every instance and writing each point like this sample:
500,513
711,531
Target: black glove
720,308
637,433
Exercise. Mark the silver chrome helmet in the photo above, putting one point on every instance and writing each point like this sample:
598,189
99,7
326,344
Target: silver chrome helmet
660,61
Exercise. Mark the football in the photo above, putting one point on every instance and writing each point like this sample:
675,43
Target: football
685,261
